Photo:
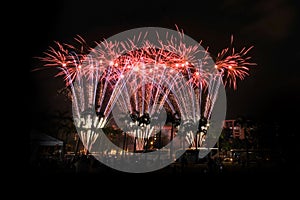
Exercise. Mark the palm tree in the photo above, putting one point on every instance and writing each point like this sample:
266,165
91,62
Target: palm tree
65,128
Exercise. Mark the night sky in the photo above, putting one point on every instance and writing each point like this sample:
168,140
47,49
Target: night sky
270,93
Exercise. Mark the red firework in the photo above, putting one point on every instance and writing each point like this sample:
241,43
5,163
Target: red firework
233,65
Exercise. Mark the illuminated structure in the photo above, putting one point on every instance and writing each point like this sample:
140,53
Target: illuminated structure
237,130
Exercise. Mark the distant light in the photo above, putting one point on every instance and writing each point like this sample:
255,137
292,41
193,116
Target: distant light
216,66
116,64
176,64
197,73
229,67
182,65
64,64
187,63
122,76
111,63
79,66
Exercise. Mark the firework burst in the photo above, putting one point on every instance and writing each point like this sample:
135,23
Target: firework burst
165,75
233,65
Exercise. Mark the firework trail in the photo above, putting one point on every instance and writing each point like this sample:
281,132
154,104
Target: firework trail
143,81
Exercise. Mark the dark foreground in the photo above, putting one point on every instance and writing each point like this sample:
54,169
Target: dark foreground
267,179
93,168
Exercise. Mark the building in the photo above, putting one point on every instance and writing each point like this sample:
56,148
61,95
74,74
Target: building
236,129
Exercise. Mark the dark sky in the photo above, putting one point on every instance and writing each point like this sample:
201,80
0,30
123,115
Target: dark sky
270,93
